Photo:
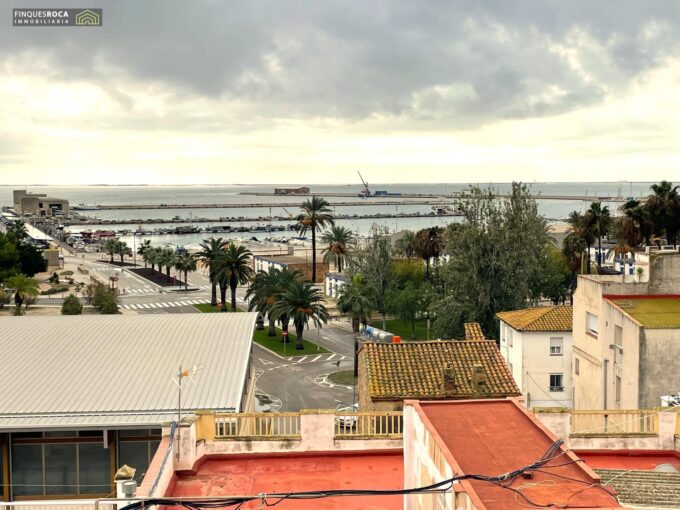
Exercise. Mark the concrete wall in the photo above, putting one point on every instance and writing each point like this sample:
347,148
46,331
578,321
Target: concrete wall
664,273
659,365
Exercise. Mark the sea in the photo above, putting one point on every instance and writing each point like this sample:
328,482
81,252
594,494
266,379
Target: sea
554,210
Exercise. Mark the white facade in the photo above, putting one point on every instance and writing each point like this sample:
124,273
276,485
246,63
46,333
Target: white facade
540,363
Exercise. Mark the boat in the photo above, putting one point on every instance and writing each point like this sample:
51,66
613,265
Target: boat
85,207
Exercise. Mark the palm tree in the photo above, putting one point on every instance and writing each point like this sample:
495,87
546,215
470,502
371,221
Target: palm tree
111,247
210,249
153,255
316,213
233,268
664,208
302,302
266,290
582,228
166,258
185,262
340,240
355,299
601,221
572,249
123,249
143,250
18,231
405,245
428,244
23,287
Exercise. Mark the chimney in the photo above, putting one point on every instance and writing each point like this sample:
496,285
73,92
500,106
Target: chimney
479,379
449,379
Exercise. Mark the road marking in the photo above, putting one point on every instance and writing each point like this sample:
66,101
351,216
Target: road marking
266,362
153,305
131,306
317,358
302,359
165,305
331,356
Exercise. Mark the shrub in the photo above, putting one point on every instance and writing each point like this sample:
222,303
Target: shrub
29,300
56,289
66,273
4,297
109,306
71,306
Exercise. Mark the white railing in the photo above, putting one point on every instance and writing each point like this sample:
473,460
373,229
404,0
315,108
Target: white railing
386,424
257,425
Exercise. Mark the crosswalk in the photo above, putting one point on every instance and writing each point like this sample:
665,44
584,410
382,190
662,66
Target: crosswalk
164,304
317,357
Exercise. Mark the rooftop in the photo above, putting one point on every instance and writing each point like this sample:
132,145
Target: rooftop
542,318
473,331
415,369
117,370
492,437
254,474
650,311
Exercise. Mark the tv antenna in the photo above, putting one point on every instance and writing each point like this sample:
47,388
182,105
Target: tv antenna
178,379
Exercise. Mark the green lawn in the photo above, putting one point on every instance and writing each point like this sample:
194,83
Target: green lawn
345,377
208,308
274,343
403,329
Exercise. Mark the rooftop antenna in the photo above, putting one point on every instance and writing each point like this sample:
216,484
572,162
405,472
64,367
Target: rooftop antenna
183,373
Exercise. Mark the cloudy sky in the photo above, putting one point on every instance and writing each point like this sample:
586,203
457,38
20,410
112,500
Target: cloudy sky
169,91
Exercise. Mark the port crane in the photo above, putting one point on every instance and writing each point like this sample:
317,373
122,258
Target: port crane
366,192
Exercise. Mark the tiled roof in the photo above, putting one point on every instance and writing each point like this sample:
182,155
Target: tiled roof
651,488
473,331
542,318
652,312
415,369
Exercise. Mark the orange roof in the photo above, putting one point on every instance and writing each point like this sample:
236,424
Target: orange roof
416,369
473,331
542,318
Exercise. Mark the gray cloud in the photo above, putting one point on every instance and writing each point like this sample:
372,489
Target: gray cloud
457,63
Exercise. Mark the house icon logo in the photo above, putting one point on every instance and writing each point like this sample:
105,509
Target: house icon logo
87,17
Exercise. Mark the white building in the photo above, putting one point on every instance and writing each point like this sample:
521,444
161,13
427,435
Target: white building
536,343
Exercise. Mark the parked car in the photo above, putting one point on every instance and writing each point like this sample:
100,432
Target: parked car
348,421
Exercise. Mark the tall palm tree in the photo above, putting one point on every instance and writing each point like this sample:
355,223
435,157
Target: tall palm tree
153,255
143,249
356,300
233,268
316,214
429,244
582,227
302,302
405,245
210,249
185,262
266,290
664,208
572,249
23,287
123,249
111,248
340,240
601,221
166,258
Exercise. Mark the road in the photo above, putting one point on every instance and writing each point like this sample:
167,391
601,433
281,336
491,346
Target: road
292,382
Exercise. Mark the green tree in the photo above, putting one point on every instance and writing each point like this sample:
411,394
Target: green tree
664,209
601,222
210,249
18,232
109,306
4,297
316,214
166,258
143,250
429,244
405,245
32,260
409,303
581,227
111,248
185,262
557,276
10,263
301,302
24,287
340,241
71,306
266,289
233,268
355,300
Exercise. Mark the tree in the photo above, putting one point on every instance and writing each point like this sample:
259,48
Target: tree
71,306
581,226
496,262
111,248
233,268
266,290
210,249
143,250
24,287
123,249
405,245
355,300
409,302
109,306
4,297
10,263
316,214
166,258
428,244
572,249
18,232
32,260
302,302
155,255
185,262
664,209
557,276
340,240
601,222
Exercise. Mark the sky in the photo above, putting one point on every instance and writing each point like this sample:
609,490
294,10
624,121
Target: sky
237,92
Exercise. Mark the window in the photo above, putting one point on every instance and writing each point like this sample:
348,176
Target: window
556,382
556,346
591,323
577,366
618,345
618,390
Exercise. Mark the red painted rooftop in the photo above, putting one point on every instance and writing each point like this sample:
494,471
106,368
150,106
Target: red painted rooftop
642,460
248,475
492,437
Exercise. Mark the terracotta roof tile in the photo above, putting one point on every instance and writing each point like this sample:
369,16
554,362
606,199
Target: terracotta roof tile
473,331
542,318
415,369
662,312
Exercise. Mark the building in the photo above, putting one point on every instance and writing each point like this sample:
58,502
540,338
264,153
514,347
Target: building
292,262
304,190
83,395
438,370
536,344
333,282
39,204
488,438
626,336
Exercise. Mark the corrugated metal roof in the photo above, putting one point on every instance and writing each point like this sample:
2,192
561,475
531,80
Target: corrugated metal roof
651,311
116,365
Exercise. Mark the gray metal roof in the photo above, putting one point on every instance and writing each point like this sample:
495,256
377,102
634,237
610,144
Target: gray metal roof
106,370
